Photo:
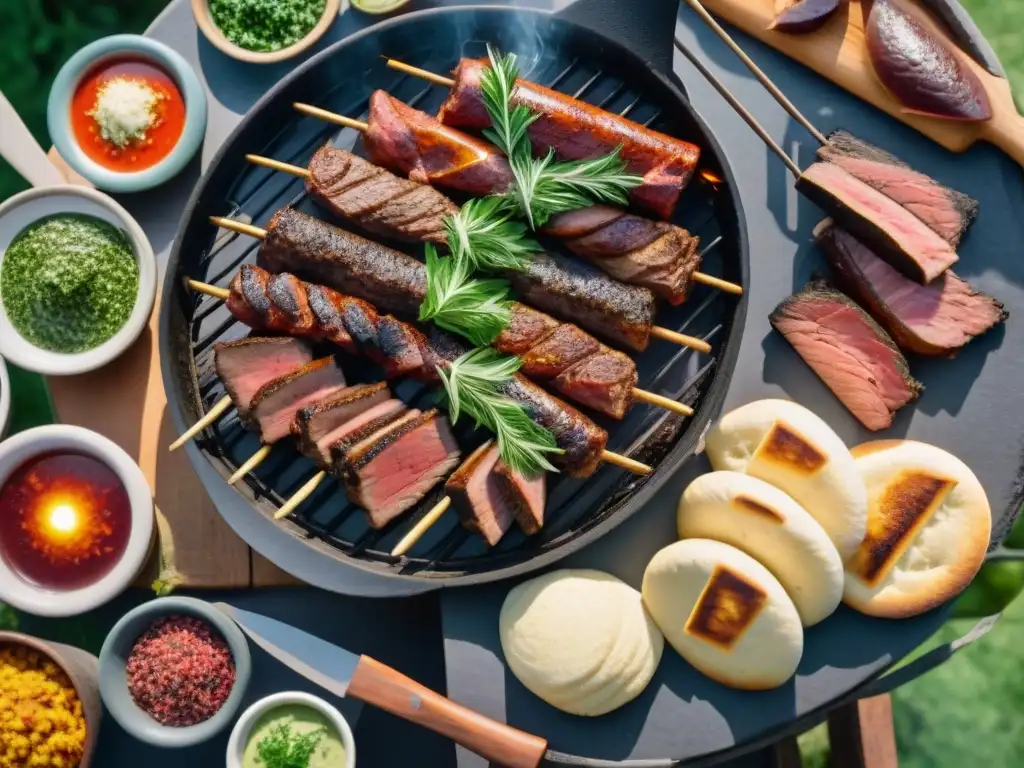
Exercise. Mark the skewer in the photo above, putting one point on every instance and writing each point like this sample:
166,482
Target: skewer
661,333
638,394
211,416
300,495
421,73
250,464
755,70
409,540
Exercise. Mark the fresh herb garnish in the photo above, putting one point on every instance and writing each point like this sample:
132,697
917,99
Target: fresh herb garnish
476,309
266,25
283,748
472,384
545,187
483,234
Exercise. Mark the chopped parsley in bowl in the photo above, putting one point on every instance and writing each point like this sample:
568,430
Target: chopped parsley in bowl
266,25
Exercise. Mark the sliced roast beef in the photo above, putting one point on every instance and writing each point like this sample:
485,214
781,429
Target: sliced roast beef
849,351
945,210
934,319
528,496
893,232
370,424
479,497
245,365
315,425
274,406
389,472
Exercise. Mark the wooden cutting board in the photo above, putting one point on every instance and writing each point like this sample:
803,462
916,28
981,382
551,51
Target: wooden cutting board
125,401
838,51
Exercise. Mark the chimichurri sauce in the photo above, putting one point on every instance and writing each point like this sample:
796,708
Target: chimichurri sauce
68,282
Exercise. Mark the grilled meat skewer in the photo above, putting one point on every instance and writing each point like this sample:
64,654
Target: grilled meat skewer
576,364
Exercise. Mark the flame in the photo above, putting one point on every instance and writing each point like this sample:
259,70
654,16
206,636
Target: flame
711,178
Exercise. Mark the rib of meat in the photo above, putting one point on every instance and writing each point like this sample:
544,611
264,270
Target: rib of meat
375,199
619,312
849,351
274,406
576,364
884,225
578,437
947,211
245,365
394,469
478,496
315,425
528,496
633,250
653,254
934,319
576,130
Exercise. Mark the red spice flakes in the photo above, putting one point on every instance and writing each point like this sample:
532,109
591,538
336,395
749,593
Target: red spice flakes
180,671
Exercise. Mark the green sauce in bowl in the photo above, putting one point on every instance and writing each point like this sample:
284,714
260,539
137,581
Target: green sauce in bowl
69,282
293,735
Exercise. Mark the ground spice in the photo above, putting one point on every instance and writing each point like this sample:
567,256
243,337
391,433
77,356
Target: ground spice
180,671
41,719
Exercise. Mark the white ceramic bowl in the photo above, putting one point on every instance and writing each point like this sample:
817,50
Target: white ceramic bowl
44,602
5,398
240,733
22,210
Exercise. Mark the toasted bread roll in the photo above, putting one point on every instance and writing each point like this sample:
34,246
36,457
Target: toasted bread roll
929,525
786,445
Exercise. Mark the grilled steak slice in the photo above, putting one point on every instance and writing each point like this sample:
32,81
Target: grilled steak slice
849,351
934,319
316,251
274,406
893,232
245,365
315,425
477,496
620,313
946,211
527,494
375,199
374,421
653,254
389,472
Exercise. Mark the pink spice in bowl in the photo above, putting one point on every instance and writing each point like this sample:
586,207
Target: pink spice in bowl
173,671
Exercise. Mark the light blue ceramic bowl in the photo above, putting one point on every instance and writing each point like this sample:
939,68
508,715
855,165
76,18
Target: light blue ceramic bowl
115,47
114,685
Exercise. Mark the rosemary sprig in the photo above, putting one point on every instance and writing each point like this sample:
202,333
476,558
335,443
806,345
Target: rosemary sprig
484,235
476,309
472,384
508,122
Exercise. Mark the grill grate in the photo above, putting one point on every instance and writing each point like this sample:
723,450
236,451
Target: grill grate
562,57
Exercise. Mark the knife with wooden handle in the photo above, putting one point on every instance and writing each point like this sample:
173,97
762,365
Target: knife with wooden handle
343,673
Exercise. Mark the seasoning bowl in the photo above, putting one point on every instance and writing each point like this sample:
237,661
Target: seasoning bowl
201,11
22,210
5,398
249,718
82,669
107,49
42,601
114,683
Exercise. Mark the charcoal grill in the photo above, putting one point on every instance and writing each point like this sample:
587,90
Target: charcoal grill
553,52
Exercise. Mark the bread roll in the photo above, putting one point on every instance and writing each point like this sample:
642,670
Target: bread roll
786,445
929,526
724,613
581,640
772,528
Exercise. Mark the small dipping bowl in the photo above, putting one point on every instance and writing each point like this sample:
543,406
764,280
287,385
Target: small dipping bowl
201,12
240,733
126,47
44,601
24,209
82,670
113,677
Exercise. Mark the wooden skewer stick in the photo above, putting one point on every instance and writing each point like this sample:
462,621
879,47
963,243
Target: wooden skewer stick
409,540
211,416
301,495
251,463
755,70
331,117
740,110
423,74
661,333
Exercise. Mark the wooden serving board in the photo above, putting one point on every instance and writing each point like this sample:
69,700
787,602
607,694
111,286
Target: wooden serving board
838,52
125,401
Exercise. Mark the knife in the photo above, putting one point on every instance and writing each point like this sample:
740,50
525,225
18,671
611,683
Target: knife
966,33
343,673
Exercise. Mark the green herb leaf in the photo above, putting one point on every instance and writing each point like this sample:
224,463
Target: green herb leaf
283,748
472,384
476,309
484,236
509,123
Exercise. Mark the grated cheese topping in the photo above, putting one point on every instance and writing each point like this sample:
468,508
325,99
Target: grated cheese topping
125,109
